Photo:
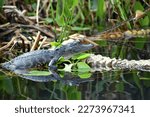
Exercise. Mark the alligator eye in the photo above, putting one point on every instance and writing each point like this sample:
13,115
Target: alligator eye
56,49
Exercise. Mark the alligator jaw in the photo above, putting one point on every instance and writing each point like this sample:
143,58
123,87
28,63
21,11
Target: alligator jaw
84,47
81,47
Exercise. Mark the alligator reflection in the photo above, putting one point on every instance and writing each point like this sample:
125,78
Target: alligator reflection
68,78
106,85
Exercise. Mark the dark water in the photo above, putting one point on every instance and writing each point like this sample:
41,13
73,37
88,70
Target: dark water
107,85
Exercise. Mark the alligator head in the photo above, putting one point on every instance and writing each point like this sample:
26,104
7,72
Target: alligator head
73,46
8,66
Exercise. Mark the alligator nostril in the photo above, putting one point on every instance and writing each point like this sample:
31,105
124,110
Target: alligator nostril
5,66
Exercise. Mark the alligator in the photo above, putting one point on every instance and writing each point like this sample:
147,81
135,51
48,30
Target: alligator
21,64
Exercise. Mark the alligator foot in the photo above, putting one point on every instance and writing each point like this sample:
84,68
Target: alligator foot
52,68
51,65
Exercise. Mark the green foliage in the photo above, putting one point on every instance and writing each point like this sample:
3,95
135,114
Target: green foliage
138,6
71,93
119,87
8,86
102,43
75,65
1,4
100,9
144,22
64,15
48,20
55,44
140,42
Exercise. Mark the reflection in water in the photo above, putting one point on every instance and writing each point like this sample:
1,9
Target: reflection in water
68,78
107,85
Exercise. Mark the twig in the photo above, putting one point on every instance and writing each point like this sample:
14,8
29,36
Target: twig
49,34
36,41
8,44
20,13
44,5
37,11
24,38
47,9
45,38
9,7
4,25
6,32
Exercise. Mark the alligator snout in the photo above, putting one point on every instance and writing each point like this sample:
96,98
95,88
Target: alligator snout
8,66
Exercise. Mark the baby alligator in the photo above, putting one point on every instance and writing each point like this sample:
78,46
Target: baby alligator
22,63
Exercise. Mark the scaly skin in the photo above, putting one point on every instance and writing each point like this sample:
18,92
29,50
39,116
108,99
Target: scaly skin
22,63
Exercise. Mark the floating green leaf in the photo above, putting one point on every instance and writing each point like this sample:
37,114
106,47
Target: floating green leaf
83,67
84,75
38,73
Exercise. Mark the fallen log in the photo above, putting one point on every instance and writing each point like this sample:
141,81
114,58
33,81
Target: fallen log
102,63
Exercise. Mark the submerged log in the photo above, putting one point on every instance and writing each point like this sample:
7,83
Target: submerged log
102,63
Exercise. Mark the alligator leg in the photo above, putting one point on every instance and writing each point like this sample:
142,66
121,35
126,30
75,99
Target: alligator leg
51,65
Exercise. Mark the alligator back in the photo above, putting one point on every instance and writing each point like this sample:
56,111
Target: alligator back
29,60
